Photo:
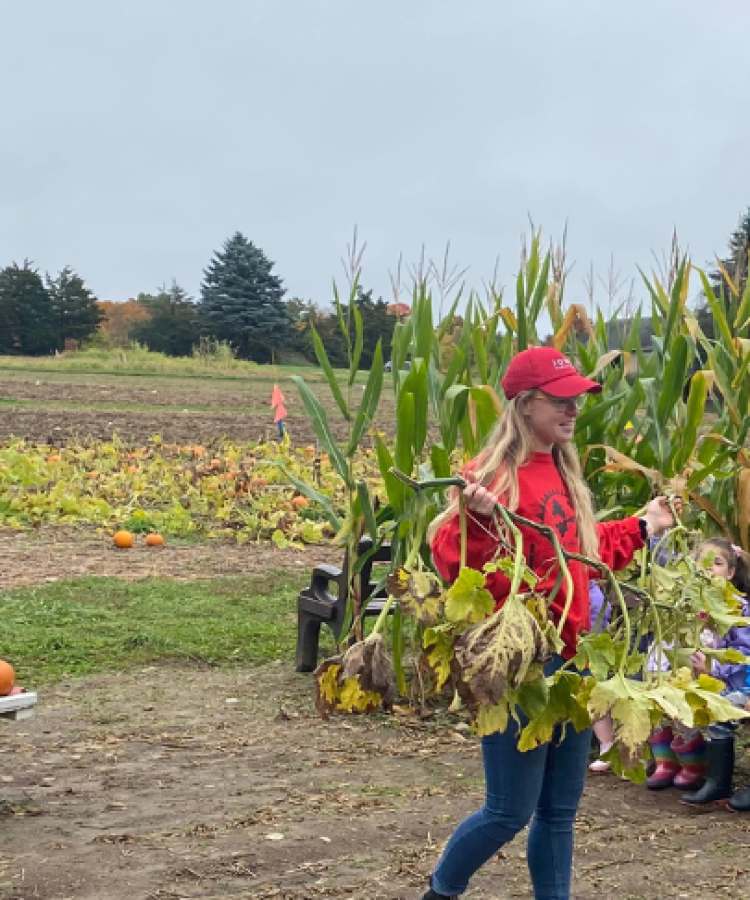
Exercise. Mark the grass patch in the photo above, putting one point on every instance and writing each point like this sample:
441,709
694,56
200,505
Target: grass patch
89,625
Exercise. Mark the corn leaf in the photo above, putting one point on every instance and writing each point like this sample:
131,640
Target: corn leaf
370,400
325,365
319,421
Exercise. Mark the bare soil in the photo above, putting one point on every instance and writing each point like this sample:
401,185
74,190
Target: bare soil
51,554
195,783
200,784
75,414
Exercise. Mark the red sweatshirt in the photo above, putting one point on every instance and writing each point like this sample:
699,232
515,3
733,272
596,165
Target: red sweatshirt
543,498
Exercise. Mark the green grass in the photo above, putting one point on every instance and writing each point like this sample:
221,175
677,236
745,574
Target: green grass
142,363
89,625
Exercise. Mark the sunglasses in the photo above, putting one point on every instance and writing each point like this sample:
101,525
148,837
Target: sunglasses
562,403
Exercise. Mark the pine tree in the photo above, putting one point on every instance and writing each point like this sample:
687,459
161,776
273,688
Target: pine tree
26,323
735,265
172,323
241,301
76,313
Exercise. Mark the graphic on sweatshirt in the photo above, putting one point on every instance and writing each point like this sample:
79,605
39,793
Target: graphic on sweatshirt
555,509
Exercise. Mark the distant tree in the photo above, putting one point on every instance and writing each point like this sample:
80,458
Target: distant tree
303,314
171,326
76,313
119,320
378,323
241,301
26,322
735,265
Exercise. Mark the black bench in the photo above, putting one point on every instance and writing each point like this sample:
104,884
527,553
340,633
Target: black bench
317,605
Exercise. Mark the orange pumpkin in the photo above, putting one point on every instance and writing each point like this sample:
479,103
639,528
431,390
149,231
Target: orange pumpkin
258,482
7,678
300,502
123,540
53,459
154,540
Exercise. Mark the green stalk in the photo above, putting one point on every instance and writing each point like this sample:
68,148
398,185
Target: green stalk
463,525
382,617
518,557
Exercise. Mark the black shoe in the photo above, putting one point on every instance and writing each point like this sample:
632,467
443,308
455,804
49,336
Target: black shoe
431,895
717,787
741,801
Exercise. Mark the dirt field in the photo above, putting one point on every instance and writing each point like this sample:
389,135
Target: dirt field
195,783
55,408
153,785
34,557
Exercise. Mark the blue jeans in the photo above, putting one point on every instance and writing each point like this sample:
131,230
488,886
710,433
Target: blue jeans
546,783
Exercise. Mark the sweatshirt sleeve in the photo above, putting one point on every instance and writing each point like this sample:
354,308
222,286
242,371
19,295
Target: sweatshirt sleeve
481,545
737,638
618,541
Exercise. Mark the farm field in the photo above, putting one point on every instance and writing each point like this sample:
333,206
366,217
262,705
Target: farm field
49,406
138,779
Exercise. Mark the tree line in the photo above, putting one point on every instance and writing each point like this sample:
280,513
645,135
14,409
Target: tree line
241,302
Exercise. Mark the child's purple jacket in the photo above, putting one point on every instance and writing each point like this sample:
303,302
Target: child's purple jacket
734,674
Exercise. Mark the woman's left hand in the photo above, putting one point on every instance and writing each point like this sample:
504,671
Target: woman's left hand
659,515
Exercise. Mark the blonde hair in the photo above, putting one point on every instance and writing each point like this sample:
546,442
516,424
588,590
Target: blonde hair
510,446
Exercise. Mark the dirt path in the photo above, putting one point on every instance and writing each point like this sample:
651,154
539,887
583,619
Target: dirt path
196,784
51,554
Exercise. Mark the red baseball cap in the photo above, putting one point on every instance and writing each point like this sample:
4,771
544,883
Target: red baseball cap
548,370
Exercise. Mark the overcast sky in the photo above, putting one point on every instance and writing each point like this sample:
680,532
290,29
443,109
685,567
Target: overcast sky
137,135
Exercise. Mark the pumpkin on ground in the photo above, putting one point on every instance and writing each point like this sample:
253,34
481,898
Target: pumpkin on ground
7,678
154,540
123,540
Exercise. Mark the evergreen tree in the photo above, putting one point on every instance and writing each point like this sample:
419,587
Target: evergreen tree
241,301
75,310
735,265
377,324
172,323
26,319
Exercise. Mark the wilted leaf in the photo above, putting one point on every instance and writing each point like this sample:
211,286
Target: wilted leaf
496,655
422,598
438,650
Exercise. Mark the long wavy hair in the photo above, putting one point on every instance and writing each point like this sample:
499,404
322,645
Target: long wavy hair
510,446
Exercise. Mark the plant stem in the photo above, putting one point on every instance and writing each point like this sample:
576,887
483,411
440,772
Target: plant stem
382,617
463,526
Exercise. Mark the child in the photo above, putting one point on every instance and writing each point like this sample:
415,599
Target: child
530,465
727,561
601,614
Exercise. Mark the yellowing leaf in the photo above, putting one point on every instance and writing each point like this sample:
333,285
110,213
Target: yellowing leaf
496,655
438,646
422,598
492,719
467,600
354,699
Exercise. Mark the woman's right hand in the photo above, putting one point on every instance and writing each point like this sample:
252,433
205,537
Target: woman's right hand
478,498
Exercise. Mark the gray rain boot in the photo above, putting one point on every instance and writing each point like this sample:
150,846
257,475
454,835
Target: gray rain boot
718,785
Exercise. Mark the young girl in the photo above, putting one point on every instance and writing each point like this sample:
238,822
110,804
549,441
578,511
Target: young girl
601,614
727,561
530,465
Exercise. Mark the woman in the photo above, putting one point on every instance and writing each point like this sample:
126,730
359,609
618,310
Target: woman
530,465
